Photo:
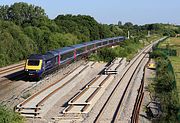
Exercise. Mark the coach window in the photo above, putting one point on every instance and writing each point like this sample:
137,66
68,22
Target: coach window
90,47
67,55
111,41
80,50
105,42
56,59
98,44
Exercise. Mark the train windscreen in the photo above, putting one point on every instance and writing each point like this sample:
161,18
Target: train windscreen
33,62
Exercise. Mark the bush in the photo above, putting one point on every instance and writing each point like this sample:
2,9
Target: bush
8,116
165,88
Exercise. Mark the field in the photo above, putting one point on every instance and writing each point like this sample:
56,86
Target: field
174,43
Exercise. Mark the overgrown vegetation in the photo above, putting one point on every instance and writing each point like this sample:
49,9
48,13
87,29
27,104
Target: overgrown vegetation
8,116
173,44
164,87
26,29
126,49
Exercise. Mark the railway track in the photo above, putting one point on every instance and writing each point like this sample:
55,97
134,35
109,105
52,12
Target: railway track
125,109
12,68
83,101
39,103
11,74
137,106
121,90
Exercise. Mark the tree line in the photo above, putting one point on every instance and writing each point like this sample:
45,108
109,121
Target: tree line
26,29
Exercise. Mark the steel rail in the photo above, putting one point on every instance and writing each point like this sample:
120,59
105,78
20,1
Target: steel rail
117,112
97,119
6,70
36,94
54,91
139,99
39,103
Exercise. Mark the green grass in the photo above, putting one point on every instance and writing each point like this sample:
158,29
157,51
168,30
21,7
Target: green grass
175,61
174,43
128,50
147,41
9,116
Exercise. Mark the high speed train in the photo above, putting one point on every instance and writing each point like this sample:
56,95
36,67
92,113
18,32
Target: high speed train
38,65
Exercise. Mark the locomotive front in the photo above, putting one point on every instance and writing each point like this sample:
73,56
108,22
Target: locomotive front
34,66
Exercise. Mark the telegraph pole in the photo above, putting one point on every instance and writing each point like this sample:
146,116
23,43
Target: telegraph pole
148,34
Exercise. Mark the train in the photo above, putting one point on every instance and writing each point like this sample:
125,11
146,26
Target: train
39,65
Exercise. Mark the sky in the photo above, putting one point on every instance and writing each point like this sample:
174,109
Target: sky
111,11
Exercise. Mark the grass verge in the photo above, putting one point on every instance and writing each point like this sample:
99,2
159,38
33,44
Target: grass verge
166,85
9,116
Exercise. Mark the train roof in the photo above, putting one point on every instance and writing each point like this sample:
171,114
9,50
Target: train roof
48,55
97,41
64,50
76,46
121,37
53,52
91,42
105,39
35,56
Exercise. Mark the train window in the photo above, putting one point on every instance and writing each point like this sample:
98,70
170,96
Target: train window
33,62
48,62
111,41
56,59
120,39
98,44
80,50
90,47
105,42
67,55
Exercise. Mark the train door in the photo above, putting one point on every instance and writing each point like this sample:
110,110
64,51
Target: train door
74,54
59,59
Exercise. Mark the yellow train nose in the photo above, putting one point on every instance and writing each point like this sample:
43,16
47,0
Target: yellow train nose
33,64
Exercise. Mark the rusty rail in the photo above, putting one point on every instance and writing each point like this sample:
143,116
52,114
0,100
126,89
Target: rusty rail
139,99
6,70
134,118
97,119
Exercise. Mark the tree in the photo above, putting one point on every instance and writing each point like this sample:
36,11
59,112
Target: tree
128,24
119,23
58,40
21,13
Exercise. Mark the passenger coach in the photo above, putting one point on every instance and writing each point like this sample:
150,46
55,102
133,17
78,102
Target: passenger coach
38,65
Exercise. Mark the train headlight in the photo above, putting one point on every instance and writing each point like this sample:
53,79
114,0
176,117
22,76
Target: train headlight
26,69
